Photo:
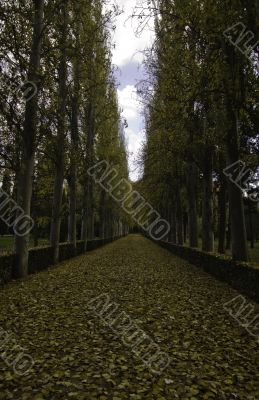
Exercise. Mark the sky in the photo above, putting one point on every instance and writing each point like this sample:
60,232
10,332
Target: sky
128,56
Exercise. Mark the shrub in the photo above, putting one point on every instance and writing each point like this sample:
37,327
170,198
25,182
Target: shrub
6,262
41,258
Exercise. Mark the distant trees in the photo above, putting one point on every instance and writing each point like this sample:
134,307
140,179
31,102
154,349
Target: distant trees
58,116
200,118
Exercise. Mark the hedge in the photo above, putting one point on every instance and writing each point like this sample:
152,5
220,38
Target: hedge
6,263
41,258
242,276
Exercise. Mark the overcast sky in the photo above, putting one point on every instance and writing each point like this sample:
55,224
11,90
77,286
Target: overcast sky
128,56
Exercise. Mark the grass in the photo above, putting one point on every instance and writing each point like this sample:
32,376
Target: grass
253,253
6,243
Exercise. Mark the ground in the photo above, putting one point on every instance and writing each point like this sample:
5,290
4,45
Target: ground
78,356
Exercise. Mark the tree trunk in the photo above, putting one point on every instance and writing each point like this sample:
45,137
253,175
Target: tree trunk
173,224
234,99
222,222
88,190
228,233
56,211
192,175
179,217
72,208
72,229
61,132
24,190
6,186
251,226
105,223
207,204
109,224
36,236
102,214
90,214
238,242
73,173
236,204
84,219
185,226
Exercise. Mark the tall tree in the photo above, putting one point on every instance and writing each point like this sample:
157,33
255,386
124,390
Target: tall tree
28,140
61,131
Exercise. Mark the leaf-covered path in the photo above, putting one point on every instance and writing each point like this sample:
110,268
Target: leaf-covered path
78,357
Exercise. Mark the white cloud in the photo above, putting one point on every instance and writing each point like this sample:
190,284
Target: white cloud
128,102
128,45
134,141
128,49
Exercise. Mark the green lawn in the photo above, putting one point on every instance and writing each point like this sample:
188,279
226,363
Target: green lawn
6,243
253,253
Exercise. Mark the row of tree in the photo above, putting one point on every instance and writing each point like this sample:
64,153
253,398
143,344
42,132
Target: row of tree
59,114
199,99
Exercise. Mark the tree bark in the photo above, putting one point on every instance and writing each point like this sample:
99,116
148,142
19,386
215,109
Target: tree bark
24,190
192,176
222,222
73,173
234,98
173,224
207,204
251,225
236,204
88,189
179,217
72,208
102,214
84,218
90,213
61,133
185,226
72,228
6,186
228,233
